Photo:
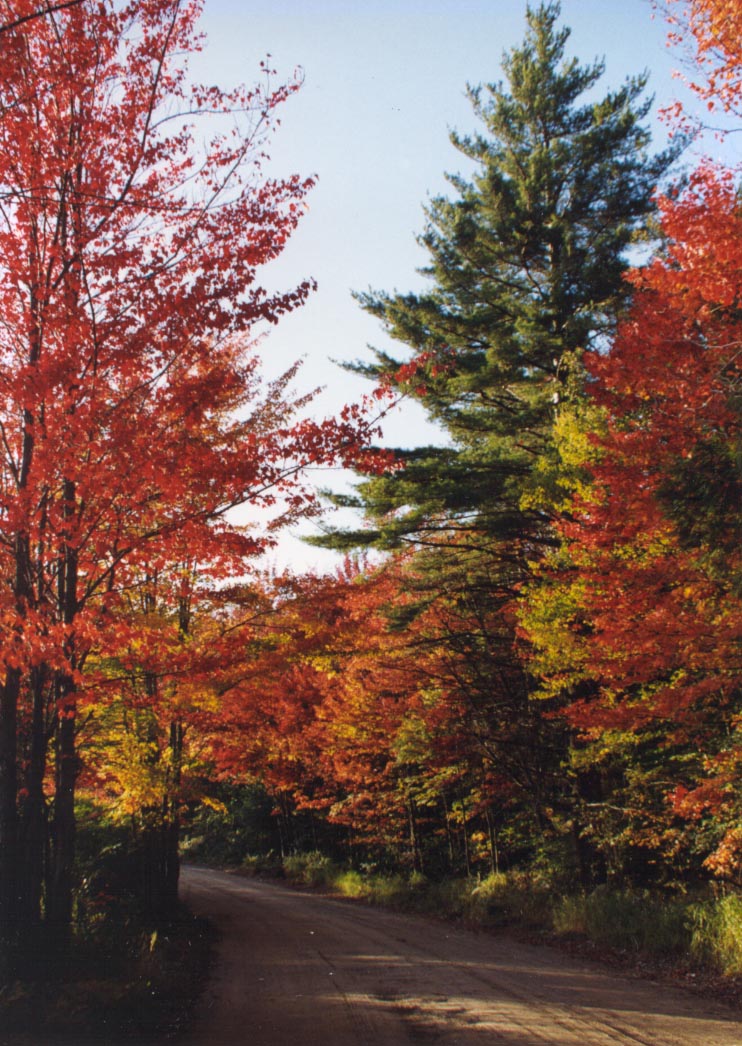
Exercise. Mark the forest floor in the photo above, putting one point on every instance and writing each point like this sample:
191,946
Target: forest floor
297,966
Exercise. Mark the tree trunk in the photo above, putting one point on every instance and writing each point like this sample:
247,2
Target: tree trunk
494,849
59,898
449,835
61,878
10,858
33,827
417,857
465,836
9,861
171,825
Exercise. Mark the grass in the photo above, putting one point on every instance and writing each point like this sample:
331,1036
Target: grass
311,869
705,932
633,921
716,934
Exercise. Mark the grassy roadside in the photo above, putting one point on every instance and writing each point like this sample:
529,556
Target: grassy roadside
698,939
119,986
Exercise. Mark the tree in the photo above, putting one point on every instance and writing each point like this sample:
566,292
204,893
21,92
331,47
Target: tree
635,619
526,267
340,697
643,601
131,419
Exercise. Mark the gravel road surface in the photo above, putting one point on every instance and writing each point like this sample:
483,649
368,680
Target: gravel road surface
298,968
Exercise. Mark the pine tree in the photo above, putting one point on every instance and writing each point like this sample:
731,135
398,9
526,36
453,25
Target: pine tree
526,273
526,266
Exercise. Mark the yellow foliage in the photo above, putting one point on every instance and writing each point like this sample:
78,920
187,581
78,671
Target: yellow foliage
213,804
560,475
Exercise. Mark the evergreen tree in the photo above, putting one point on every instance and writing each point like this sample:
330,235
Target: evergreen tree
526,268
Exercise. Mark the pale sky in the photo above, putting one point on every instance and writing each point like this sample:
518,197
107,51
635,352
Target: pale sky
384,83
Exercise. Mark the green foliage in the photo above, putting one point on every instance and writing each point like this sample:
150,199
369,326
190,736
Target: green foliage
661,925
125,978
238,821
351,883
717,933
394,891
525,262
269,865
516,897
120,984
109,913
526,266
450,896
707,931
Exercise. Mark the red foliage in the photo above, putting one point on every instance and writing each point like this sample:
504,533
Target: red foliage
657,607
656,539
134,222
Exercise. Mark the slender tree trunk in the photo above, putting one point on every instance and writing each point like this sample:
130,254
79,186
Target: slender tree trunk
494,849
33,822
153,817
449,834
171,818
281,844
287,826
313,830
148,871
465,835
171,825
61,878
417,857
9,857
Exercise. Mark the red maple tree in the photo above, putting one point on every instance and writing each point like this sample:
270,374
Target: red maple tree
131,417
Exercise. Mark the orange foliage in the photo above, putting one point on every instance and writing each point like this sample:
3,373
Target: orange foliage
654,541
716,26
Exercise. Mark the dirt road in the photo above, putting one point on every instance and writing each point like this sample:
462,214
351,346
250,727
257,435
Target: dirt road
295,968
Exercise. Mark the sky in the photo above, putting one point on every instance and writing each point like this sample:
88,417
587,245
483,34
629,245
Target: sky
383,85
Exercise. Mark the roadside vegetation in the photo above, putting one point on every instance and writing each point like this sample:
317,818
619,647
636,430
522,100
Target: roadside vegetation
702,931
694,930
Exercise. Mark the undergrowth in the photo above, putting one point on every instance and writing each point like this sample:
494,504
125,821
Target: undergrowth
120,984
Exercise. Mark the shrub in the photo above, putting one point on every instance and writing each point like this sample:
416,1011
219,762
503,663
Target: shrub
450,897
633,921
311,869
263,864
352,884
392,890
717,933
510,897
569,915
636,921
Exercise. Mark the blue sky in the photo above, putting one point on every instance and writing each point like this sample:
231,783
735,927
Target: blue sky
384,82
